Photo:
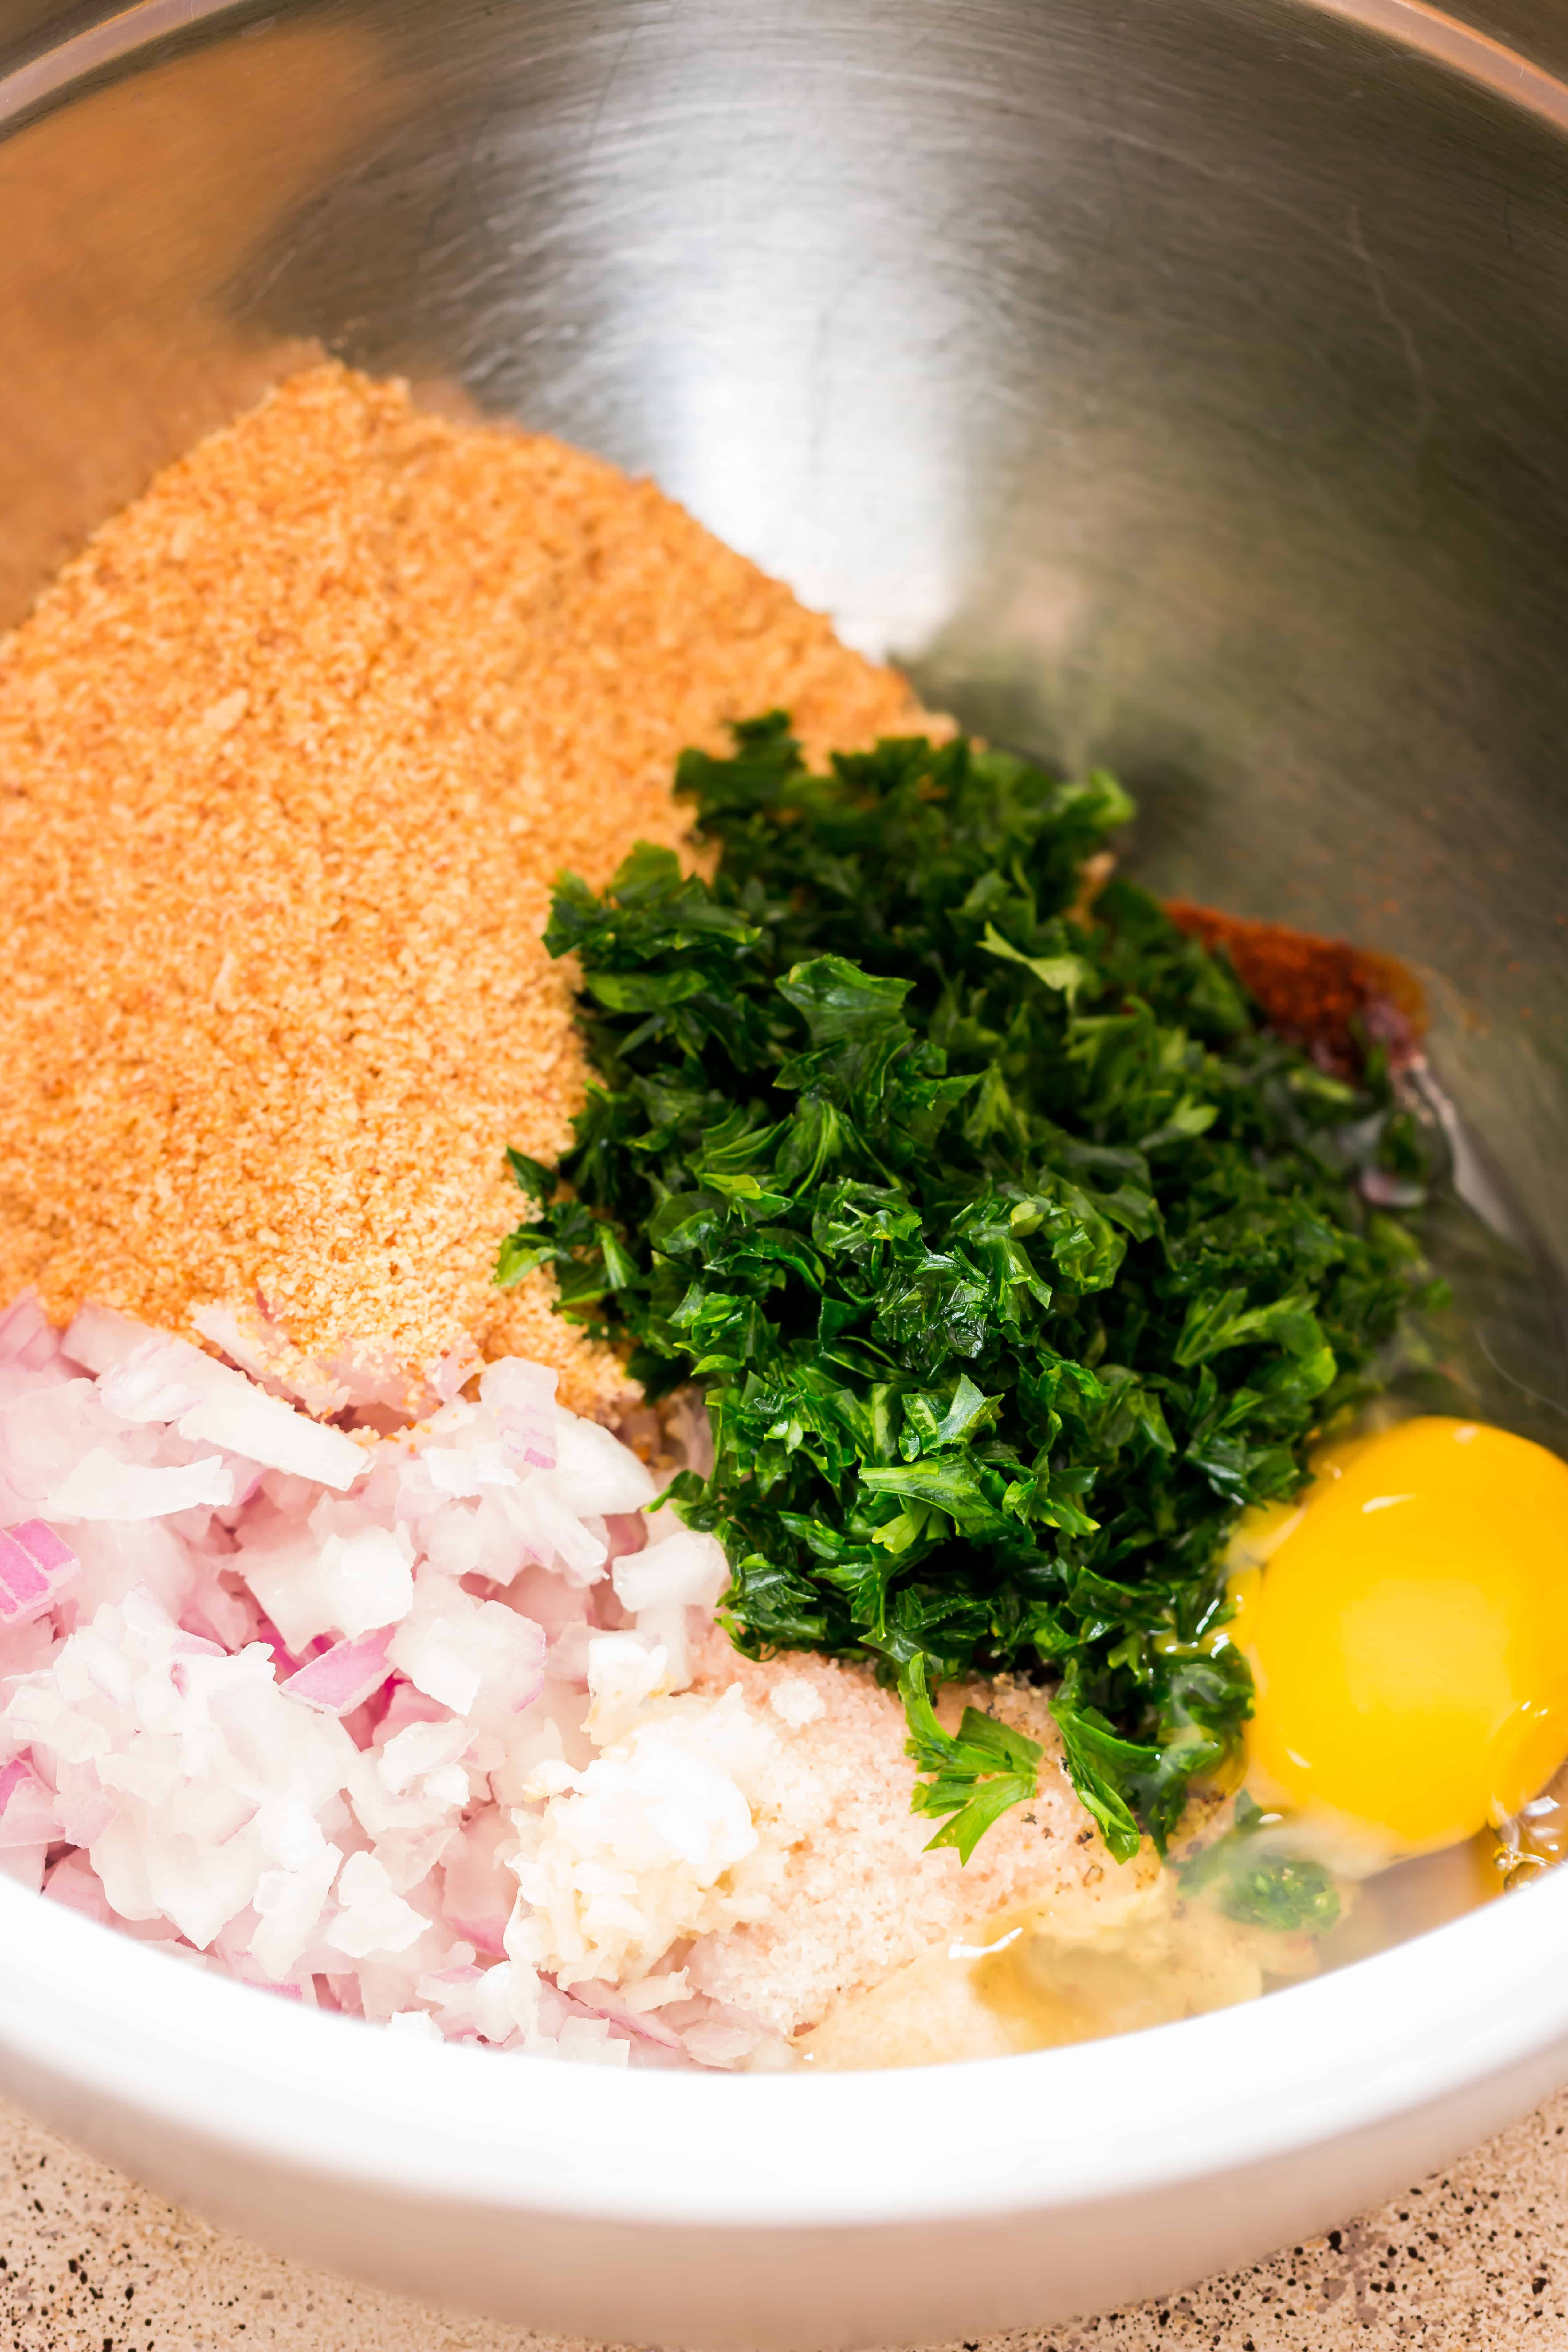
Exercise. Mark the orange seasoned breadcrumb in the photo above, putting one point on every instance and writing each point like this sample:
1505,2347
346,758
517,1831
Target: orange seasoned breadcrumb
289,757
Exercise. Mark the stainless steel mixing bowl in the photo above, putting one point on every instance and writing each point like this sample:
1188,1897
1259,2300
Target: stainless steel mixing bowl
1177,384
1173,384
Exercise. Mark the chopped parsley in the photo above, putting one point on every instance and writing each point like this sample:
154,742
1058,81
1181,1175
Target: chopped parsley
1251,1880
1015,1254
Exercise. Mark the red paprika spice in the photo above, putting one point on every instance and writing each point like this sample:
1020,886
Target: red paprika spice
1331,997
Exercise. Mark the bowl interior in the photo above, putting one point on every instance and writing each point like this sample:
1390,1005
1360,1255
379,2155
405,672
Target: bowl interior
1178,389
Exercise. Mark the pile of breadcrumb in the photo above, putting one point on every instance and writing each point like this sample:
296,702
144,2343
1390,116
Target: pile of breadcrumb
288,758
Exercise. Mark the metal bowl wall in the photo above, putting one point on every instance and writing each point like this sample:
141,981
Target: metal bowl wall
1178,386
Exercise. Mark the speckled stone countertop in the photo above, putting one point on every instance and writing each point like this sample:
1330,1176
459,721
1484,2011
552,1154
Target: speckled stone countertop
1475,2260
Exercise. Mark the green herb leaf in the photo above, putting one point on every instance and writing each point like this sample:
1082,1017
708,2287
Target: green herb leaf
974,1775
1016,1254
1260,1887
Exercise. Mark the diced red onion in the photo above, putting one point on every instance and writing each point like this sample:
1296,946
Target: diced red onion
35,1567
85,1813
27,1809
522,1397
19,1326
74,1883
1386,1192
452,1371
626,1532
345,1677
356,1849
605,2001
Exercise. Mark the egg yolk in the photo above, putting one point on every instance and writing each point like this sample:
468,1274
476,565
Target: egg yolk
1408,1633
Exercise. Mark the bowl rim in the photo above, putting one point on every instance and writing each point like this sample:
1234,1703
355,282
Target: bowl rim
237,2067
50,73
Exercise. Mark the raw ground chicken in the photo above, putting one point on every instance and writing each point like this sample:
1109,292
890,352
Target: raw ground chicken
433,1726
